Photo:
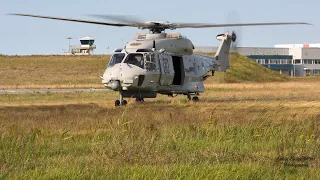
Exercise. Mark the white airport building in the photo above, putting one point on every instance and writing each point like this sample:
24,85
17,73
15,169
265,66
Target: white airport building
86,48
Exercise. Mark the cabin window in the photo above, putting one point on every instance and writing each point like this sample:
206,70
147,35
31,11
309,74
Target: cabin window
135,59
116,58
150,63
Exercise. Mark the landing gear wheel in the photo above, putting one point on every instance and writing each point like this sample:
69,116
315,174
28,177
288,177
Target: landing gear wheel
195,99
124,102
116,103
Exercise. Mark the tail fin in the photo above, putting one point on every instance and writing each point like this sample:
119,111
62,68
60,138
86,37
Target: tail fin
222,54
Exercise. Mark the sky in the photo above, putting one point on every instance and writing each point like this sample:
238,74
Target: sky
27,36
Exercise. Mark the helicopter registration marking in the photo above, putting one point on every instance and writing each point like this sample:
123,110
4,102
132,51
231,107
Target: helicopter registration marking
135,44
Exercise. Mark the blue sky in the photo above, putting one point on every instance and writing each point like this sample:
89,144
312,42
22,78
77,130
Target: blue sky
24,35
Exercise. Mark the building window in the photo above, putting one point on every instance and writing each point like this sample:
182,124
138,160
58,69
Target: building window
276,61
297,61
307,61
283,61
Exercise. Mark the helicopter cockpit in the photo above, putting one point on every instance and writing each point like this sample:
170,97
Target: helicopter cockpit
144,60
136,59
116,58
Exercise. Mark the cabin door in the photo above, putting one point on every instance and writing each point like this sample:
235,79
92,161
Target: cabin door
166,69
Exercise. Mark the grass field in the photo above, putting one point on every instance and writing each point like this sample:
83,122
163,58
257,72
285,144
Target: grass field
85,71
247,130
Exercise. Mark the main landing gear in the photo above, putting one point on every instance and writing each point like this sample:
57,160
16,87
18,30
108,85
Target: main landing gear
139,100
194,98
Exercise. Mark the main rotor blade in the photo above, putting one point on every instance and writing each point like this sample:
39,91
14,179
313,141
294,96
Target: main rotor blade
167,26
78,20
120,18
197,25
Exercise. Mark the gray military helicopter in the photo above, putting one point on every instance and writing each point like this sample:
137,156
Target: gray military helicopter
161,62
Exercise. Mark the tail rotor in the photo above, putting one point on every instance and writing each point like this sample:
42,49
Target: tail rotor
233,17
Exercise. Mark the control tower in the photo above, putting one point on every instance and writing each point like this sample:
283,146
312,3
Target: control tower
86,48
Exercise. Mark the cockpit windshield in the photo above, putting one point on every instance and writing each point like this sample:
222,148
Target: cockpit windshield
116,58
135,59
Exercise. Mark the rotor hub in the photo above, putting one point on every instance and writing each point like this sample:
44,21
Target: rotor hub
233,37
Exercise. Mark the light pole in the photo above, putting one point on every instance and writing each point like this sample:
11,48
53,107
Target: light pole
69,38
108,48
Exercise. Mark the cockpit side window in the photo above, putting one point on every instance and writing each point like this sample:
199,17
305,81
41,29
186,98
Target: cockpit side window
116,58
150,63
135,59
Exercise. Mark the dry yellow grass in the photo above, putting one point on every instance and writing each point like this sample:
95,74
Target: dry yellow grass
85,72
276,91
52,71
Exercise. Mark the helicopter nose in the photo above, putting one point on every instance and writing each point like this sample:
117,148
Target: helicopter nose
111,74
115,72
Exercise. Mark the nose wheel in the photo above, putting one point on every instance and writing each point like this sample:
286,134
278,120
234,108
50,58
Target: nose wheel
120,102
117,103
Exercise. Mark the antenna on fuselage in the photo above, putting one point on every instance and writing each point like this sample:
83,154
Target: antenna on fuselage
125,49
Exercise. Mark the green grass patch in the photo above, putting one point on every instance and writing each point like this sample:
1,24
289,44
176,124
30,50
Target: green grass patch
243,69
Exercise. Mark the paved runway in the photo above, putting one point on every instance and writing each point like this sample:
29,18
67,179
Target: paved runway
33,91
